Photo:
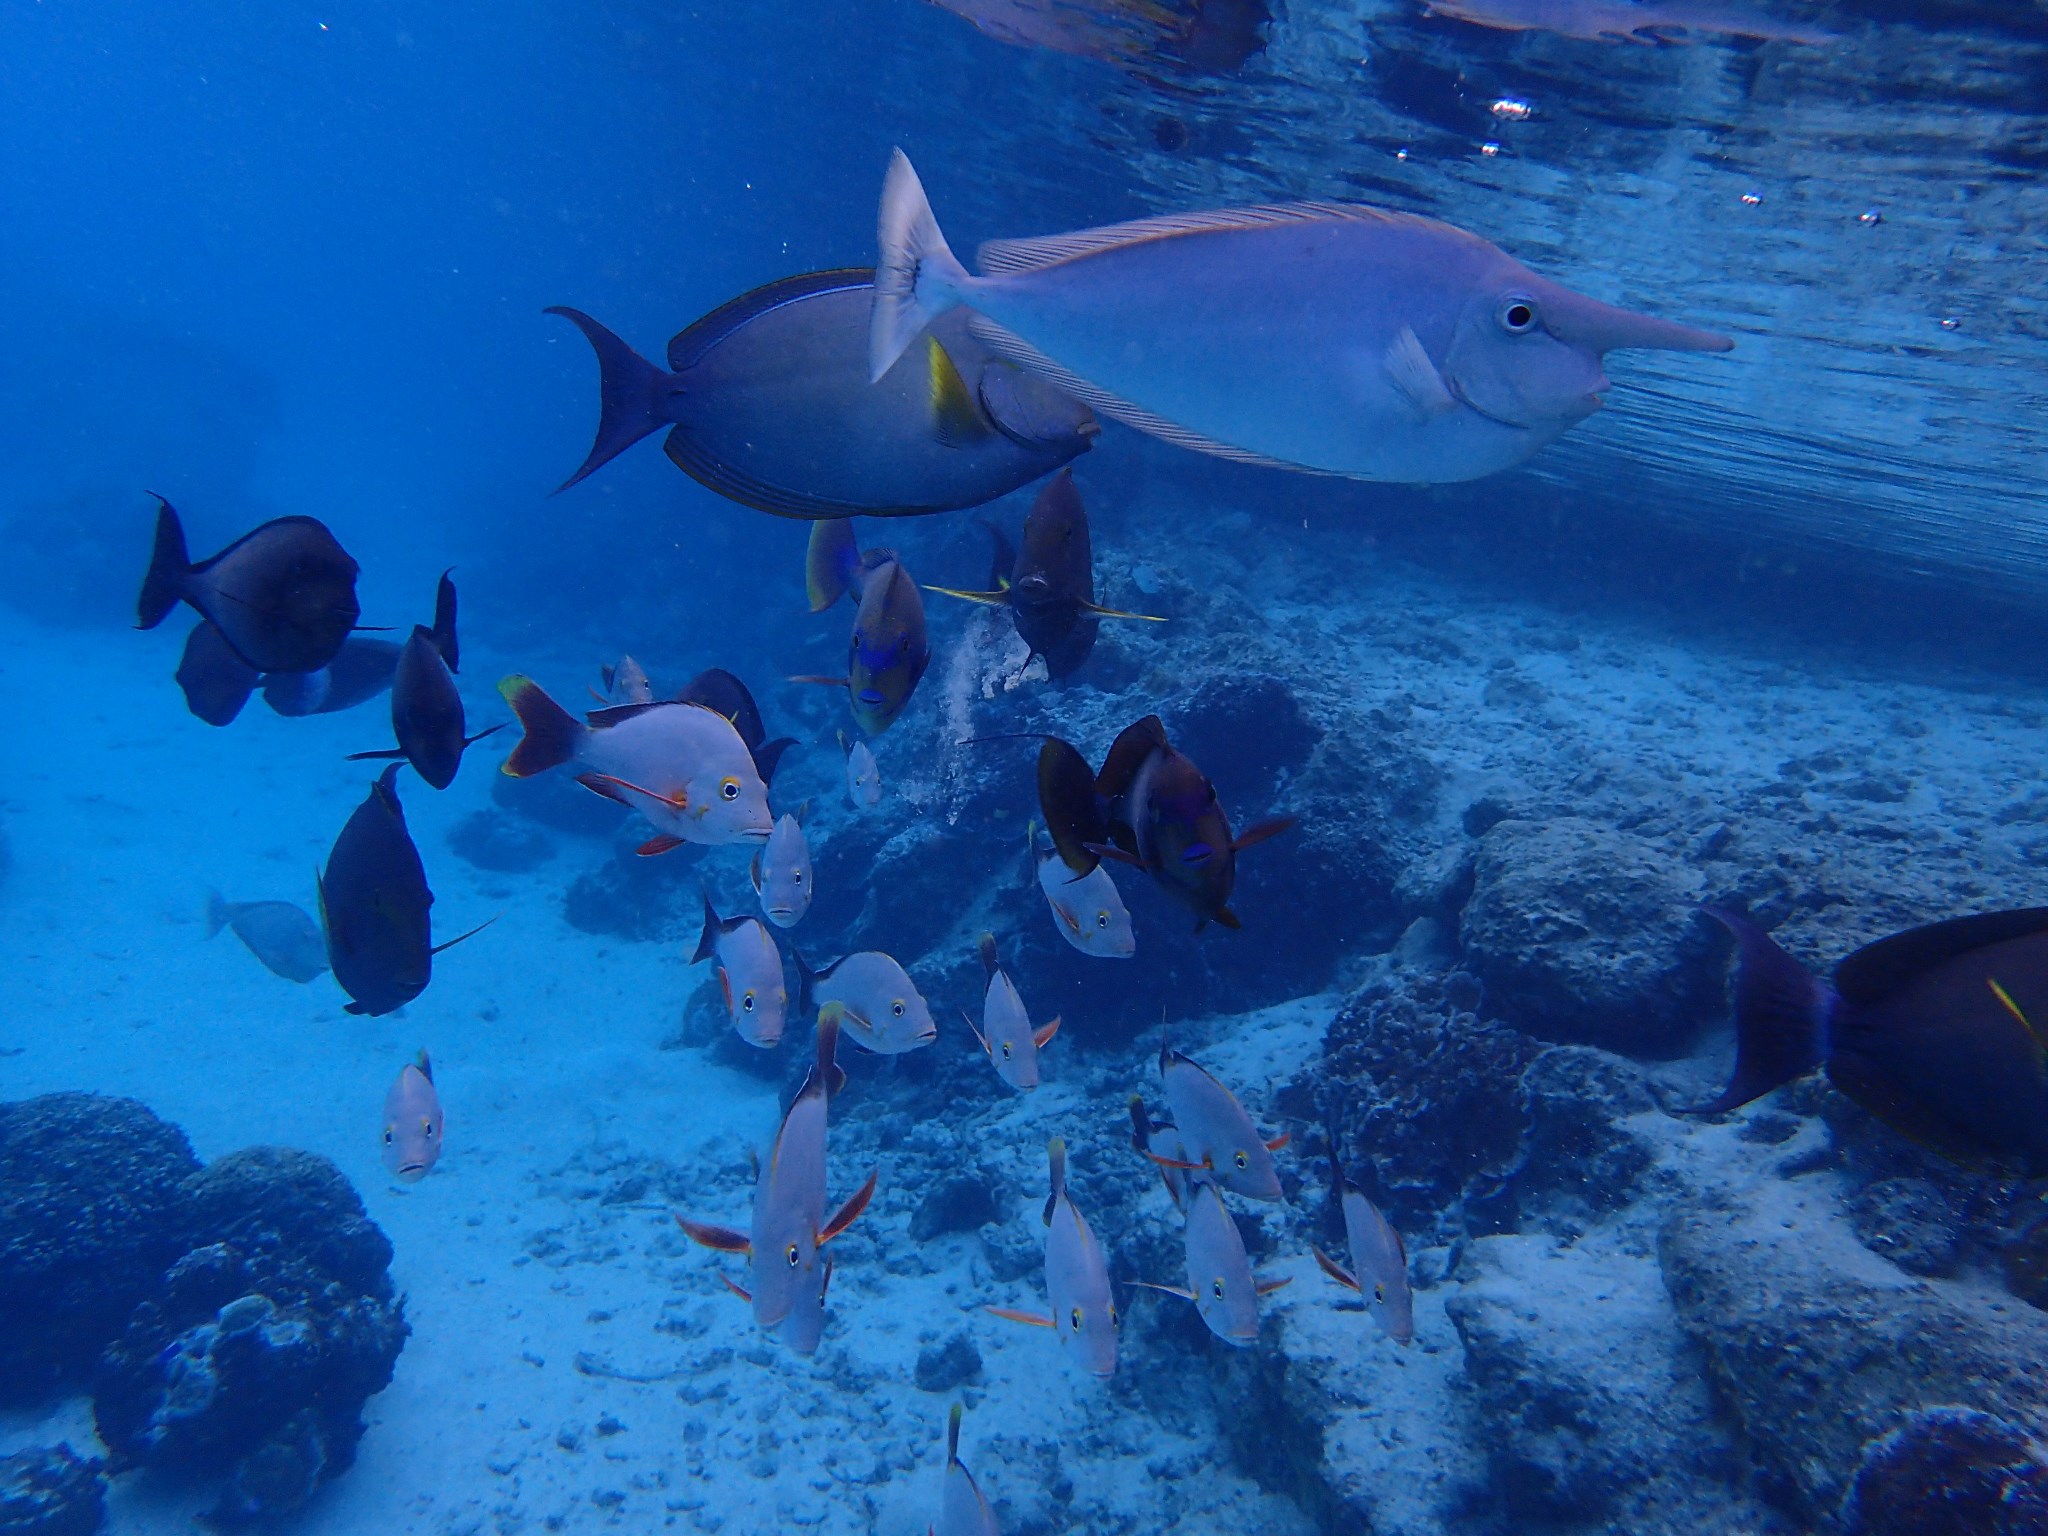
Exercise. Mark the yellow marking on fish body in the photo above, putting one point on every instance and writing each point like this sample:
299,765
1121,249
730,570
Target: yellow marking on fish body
2005,997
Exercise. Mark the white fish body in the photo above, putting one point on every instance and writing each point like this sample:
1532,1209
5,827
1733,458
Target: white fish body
749,974
1216,1134
684,768
1006,1033
863,777
1077,1279
1379,1266
1219,1270
802,1329
884,1010
782,873
963,1511
414,1126
1087,909
629,683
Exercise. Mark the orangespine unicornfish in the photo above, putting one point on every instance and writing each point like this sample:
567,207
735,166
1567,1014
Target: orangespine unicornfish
283,596
282,936
769,404
217,683
717,689
1076,1279
1087,909
414,1126
1220,1279
749,974
1379,1259
1159,1141
875,997
1941,1031
375,906
682,766
426,706
789,1224
1343,339
781,871
1049,586
963,1511
888,651
1217,1136
863,774
1006,1034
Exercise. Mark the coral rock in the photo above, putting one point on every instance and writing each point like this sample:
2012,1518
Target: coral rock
51,1493
1951,1472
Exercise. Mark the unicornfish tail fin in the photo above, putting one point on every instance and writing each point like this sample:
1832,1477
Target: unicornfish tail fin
1781,1010
630,391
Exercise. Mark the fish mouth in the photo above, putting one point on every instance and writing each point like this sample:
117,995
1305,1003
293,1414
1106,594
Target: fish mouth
781,912
757,834
1458,393
412,1171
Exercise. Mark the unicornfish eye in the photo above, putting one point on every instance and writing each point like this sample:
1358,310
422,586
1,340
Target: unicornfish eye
747,1003
1077,1319
1216,1289
729,787
1243,1160
792,1255
1518,316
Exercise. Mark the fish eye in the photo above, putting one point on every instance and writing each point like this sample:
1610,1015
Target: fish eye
1379,1293
1077,1319
793,1257
426,1127
1243,1160
747,1003
729,787
388,1136
1102,919
1518,315
897,1007
1216,1288
1006,1050
798,877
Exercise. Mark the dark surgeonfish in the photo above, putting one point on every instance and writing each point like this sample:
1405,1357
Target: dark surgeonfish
1151,807
279,934
1941,1032
1343,339
375,905
771,407
217,682
426,706
888,651
1624,21
1049,583
283,596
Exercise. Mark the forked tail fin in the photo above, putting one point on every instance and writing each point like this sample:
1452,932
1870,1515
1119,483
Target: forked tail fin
630,391
551,731
917,278
164,583
1781,1012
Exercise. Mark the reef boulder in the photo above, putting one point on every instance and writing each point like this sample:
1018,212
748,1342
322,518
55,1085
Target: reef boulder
51,1493
1951,1472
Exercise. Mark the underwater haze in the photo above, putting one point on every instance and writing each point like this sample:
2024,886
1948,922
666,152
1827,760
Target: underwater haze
1028,766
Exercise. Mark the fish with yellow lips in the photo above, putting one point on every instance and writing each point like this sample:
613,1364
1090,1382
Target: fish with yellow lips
1217,1137
1076,1279
888,651
749,974
789,1229
413,1122
1006,1034
1220,1279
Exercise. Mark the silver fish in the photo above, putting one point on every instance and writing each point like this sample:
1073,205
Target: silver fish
1346,339
782,872
805,1325
749,974
1220,1279
1379,1259
863,774
1076,1279
1160,1141
883,1009
414,1126
789,1226
627,683
282,936
1217,1136
1006,1034
962,1509
1087,910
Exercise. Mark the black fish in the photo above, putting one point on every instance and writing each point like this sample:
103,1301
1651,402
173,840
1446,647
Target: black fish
1151,807
771,407
426,706
717,689
888,651
283,596
1049,584
217,682
1942,1031
375,905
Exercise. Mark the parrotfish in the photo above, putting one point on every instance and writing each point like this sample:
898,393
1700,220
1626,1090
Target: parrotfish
888,651
1086,909
682,766
1048,585
717,689
1150,807
782,872
1341,338
1076,1279
283,937
880,1004
283,596
962,1509
626,683
749,974
1006,1034
1217,1136
375,906
426,706
217,682
1379,1259
1220,1279
771,407
1622,21
863,774
1159,1140
1941,1031
413,1123
789,1226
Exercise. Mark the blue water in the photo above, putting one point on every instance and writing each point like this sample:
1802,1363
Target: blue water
1766,633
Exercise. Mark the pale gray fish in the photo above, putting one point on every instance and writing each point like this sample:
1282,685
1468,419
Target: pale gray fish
414,1126
1086,909
789,1224
284,937
1379,1260
627,683
1220,1279
884,1011
782,874
1006,1034
805,1325
749,974
1339,338
863,774
962,1509
1076,1279
1217,1136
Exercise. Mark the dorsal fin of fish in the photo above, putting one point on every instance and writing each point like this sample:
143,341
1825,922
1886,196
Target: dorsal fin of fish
443,632
848,1213
426,1065
979,1037
618,714
957,421
451,943
1336,1271
1056,1159
953,1434
832,561
985,946
1002,258
1134,743
689,346
1876,971
825,1068
707,941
